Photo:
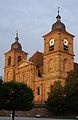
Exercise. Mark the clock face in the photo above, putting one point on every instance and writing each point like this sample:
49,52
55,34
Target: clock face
65,42
51,42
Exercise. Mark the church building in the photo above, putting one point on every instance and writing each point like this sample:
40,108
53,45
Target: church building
42,69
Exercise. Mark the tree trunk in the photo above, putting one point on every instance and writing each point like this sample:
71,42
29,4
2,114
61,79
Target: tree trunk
13,114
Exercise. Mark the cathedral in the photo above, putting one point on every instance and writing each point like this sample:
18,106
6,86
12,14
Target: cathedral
42,69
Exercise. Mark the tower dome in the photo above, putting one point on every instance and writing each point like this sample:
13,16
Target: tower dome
58,25
16,45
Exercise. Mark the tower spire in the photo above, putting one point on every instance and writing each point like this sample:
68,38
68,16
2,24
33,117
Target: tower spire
17,36
58,16
17,33
58,10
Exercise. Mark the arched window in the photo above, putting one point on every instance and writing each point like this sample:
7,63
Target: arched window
9,60
19,58
38,90
39,73
8,75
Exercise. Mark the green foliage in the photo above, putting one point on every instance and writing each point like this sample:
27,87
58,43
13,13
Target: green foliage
64,99
55,99
1,94
17,96
71,89
71,86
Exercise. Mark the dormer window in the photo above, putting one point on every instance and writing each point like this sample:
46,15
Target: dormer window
19,58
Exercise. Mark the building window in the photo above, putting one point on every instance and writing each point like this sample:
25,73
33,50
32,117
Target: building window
65,48
38,71
9,60
51,44
8,76
38,90
19,58
51,47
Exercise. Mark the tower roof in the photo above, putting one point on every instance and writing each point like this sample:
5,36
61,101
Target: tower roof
16,45
58,25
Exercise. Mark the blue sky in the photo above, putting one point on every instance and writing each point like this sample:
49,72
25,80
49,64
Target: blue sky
33,19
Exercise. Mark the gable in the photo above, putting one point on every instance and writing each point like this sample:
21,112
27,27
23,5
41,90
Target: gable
37,58
23,63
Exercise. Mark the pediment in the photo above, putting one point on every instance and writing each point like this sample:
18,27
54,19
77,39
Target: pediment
24,63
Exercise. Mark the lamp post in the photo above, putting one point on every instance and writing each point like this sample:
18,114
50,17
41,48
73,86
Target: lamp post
13,102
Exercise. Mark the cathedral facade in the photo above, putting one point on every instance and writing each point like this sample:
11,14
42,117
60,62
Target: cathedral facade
42,69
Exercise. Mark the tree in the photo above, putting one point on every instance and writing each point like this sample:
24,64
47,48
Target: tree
1,94
64,99
71,91
17,96
55,99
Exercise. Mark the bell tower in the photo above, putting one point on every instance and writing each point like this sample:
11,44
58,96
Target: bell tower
58,54
12,59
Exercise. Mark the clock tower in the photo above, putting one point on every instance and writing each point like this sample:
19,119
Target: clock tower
58,54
